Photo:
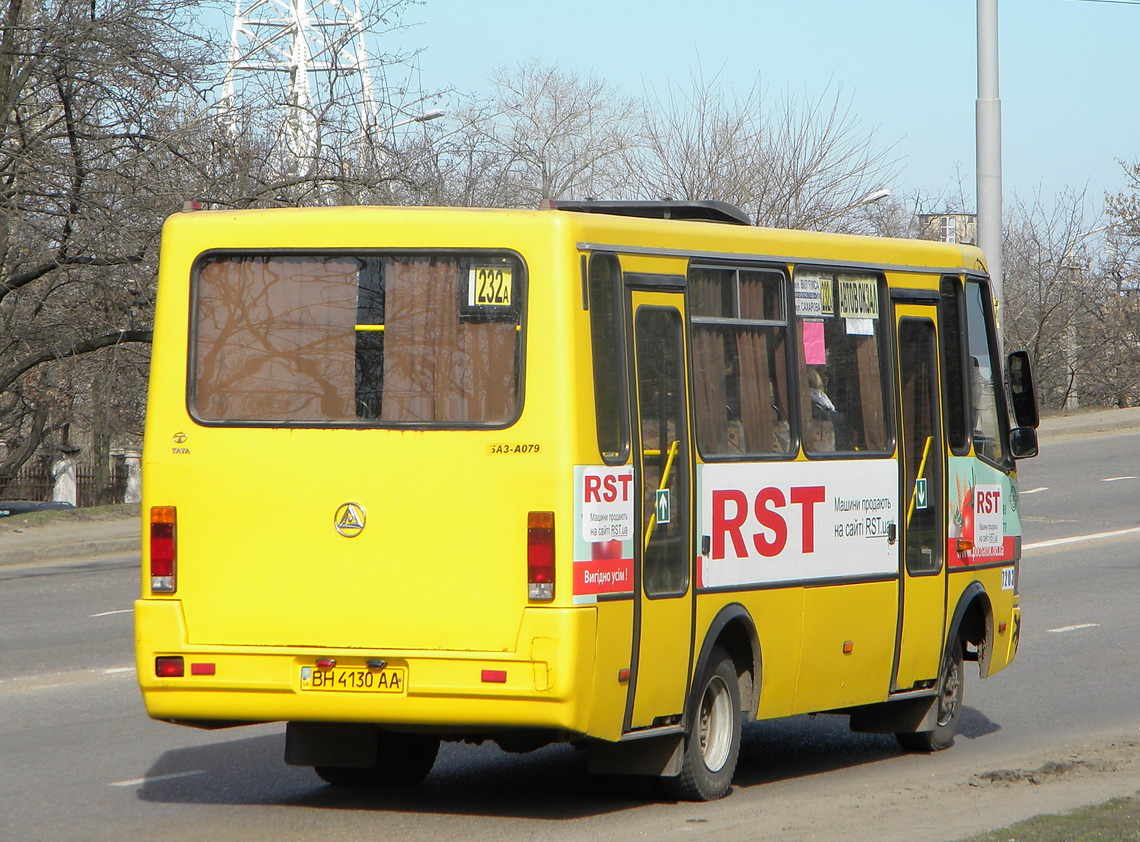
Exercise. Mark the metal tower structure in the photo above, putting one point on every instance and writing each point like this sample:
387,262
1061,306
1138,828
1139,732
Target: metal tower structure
307,60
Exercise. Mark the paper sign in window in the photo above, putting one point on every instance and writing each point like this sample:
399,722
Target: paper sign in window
808,295
858,297
815,349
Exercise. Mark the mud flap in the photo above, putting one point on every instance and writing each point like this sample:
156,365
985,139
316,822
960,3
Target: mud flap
657,756
901,717
345,744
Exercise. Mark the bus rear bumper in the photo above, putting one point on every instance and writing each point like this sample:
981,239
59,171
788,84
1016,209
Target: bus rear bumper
537,686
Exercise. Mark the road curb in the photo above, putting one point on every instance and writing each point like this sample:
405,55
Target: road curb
69,550
1090,423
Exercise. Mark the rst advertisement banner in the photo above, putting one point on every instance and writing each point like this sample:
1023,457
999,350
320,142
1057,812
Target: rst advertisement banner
796,521
984,521
604,533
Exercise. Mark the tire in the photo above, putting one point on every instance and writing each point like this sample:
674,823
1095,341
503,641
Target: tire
712,744
401,760
342,775
951,691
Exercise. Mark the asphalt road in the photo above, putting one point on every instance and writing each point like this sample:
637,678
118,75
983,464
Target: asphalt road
80,760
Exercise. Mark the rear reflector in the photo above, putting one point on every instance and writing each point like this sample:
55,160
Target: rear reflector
495,676
203,669
540,555
169,667
163,549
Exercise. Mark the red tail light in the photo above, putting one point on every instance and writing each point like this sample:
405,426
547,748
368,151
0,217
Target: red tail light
540,555
169,667
163,549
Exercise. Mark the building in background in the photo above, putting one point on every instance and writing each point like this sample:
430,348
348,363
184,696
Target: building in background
949,227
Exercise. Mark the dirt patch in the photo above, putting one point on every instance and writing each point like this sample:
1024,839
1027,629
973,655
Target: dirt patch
1052,769
1099,761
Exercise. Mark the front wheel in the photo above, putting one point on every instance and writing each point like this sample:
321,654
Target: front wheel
712,743
951,685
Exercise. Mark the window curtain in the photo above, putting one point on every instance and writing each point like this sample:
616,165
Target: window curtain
710,367
755,392
275,339
438,368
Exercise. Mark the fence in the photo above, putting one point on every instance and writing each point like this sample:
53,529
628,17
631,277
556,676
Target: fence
34,481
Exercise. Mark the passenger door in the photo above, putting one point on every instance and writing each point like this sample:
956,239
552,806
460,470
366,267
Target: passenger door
922,569
663,475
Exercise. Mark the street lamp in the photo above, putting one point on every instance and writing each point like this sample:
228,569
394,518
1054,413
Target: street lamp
873,196
419,118
870,198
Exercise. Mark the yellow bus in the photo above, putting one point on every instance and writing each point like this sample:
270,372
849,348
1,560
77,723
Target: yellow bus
621,474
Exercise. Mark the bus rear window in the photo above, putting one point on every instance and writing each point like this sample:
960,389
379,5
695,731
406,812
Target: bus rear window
377,339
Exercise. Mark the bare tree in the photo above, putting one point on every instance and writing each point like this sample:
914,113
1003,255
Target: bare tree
803,163
1123,232
1063,305
545,134
86,92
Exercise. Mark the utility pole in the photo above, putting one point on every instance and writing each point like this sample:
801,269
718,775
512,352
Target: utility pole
278,45
988,145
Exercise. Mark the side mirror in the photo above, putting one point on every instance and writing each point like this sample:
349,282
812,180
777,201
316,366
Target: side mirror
1022,395
1022,442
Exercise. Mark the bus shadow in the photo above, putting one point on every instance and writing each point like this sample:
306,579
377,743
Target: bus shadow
784,749
551,783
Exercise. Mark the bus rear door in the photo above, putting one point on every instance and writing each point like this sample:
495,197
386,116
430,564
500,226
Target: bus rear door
662,455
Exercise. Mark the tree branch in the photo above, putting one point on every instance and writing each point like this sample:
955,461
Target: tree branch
85,347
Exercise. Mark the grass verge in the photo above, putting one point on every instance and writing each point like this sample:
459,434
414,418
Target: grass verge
1113,821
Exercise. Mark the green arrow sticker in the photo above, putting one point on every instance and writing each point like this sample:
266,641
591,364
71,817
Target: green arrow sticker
920,493
662,505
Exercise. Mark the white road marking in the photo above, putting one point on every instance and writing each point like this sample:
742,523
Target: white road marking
1035,490
1076,539
109,613
1116,479
157,778
60,680
1074,628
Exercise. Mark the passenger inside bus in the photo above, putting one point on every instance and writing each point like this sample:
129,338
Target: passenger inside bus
824,415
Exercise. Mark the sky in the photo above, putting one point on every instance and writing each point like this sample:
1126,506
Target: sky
1069,81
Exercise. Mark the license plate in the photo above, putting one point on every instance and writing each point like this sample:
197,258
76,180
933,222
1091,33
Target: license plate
355,679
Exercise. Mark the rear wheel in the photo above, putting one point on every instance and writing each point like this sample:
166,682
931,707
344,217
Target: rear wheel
712,743
401,760
951,685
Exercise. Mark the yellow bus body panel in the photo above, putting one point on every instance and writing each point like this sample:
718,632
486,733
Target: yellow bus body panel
849,637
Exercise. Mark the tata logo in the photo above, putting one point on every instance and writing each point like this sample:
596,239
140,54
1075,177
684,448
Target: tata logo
349,520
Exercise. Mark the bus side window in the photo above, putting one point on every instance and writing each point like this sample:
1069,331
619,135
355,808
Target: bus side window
839,332
984,376
606,338
954,372
740,368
